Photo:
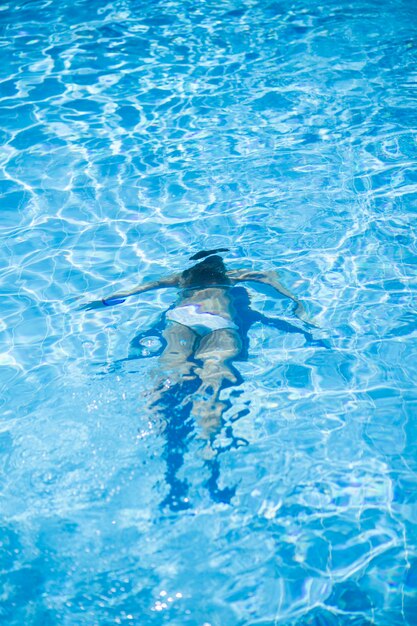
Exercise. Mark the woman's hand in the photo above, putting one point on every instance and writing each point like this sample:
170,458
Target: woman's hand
100,304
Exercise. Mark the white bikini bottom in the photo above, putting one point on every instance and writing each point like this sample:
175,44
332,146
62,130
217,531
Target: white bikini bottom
201,322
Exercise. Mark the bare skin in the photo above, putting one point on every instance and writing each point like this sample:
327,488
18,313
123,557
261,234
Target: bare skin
209,357
212,295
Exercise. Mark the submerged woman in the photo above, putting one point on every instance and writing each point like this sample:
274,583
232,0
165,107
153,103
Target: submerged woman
206,330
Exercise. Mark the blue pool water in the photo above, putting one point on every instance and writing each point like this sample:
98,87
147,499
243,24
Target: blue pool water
135,133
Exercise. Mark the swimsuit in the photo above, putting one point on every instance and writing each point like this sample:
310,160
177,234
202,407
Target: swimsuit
201,322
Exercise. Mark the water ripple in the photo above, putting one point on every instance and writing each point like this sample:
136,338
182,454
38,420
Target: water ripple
133,134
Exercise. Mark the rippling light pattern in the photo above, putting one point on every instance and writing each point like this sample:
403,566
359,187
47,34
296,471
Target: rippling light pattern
135,133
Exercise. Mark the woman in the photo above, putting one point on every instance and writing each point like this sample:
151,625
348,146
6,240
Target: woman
206,330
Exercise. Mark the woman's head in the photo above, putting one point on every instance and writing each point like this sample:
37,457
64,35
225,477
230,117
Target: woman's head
211,271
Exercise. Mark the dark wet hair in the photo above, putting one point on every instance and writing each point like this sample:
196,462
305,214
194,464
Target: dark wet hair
211,271
204,253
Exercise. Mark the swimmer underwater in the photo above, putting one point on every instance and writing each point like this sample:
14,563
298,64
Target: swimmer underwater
206,330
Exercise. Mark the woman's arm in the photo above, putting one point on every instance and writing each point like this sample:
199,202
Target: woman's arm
170,281
271,279
118,298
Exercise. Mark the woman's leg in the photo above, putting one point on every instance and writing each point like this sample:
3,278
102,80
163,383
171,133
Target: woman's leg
175,359
175,364
169,410
216,352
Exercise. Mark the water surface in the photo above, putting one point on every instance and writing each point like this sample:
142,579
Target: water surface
136,133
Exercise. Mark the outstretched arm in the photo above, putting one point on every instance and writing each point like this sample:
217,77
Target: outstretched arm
118,298
271,279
